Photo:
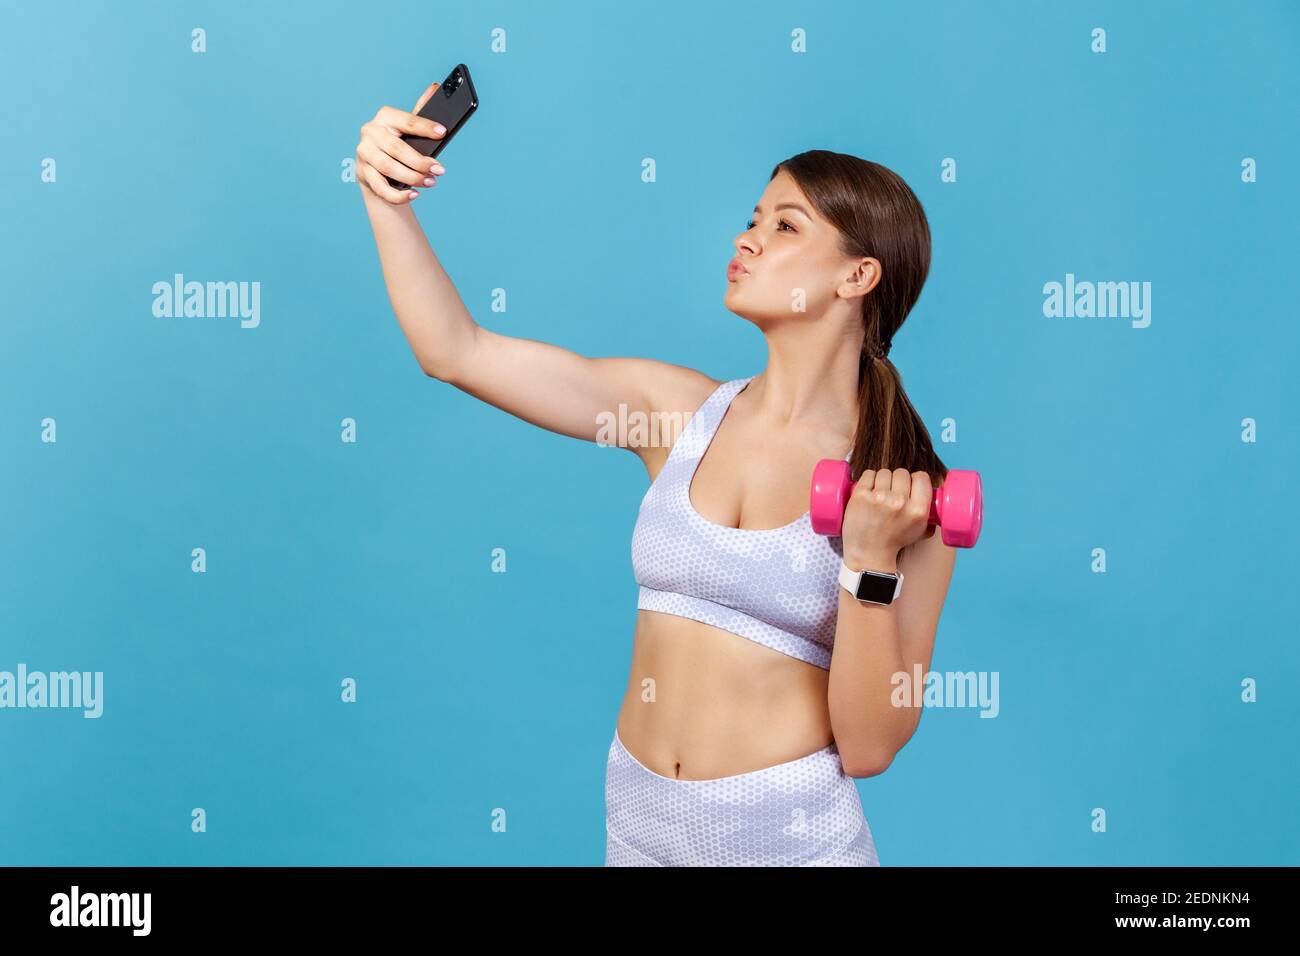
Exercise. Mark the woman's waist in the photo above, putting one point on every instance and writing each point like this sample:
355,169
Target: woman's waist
721,662
686,745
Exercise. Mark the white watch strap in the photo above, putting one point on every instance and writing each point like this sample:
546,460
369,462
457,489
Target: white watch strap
849,578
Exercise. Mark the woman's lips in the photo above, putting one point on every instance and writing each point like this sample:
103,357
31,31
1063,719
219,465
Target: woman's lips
735,270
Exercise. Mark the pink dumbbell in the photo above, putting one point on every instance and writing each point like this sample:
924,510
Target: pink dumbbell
957,508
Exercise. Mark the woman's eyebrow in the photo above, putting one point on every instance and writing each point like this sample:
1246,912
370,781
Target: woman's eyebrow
788,205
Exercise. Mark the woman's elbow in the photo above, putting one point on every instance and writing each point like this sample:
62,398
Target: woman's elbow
867,765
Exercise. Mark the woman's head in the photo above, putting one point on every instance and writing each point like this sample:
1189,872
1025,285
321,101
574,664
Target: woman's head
844,240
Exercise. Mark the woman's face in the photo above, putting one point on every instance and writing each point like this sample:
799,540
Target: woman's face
788,261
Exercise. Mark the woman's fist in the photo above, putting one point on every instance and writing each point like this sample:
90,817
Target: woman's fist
887,511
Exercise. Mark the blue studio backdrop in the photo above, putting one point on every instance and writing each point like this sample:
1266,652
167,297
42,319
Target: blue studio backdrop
183,512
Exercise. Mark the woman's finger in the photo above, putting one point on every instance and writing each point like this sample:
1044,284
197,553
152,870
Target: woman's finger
408,155
884,477
400,121
922,493
372,155
377,184
424,97
900,489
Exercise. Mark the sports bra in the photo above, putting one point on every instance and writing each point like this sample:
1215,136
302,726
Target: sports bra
778,587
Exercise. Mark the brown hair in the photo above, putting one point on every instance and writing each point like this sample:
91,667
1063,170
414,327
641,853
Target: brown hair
877,215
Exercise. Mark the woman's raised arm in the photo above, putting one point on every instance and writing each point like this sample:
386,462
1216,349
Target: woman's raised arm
541,383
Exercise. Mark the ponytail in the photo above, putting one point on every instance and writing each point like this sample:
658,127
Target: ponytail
877,215
890,432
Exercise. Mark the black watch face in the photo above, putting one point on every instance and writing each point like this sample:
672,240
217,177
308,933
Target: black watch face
876,587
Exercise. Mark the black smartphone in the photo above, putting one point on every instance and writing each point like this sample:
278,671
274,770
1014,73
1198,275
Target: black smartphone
451,104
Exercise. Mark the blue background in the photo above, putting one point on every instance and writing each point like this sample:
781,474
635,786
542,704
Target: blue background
372,560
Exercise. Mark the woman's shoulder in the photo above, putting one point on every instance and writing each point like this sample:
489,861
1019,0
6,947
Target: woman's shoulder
681,389
676,394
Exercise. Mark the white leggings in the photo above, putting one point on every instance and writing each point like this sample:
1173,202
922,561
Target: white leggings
804,812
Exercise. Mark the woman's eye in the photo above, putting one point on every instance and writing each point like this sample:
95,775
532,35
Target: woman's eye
780,223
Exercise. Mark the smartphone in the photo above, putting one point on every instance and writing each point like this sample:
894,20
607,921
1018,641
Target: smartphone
451,104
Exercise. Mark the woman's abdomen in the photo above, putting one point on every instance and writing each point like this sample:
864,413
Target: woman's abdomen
703,703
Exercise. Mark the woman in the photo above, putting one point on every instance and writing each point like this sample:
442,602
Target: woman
759,687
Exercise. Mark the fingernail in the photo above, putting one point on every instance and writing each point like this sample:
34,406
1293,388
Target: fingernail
439,128
437,168
414,194
428,182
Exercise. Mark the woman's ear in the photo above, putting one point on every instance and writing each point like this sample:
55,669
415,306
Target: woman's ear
865,277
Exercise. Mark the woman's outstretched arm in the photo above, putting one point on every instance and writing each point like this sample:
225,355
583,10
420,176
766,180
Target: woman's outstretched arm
541,383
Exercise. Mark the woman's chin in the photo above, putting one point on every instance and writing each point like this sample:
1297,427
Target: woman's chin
734,304
743,313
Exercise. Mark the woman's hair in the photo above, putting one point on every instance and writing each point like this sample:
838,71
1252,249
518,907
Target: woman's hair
877,215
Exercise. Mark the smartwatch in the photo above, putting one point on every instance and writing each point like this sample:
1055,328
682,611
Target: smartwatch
871,587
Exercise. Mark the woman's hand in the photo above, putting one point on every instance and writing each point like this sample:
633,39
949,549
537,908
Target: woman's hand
382,152
887,511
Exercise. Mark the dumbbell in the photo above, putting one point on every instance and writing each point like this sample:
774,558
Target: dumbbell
957,507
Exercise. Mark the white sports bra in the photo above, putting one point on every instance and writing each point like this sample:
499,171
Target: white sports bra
778,587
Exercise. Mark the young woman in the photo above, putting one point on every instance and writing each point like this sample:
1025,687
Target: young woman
759,686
